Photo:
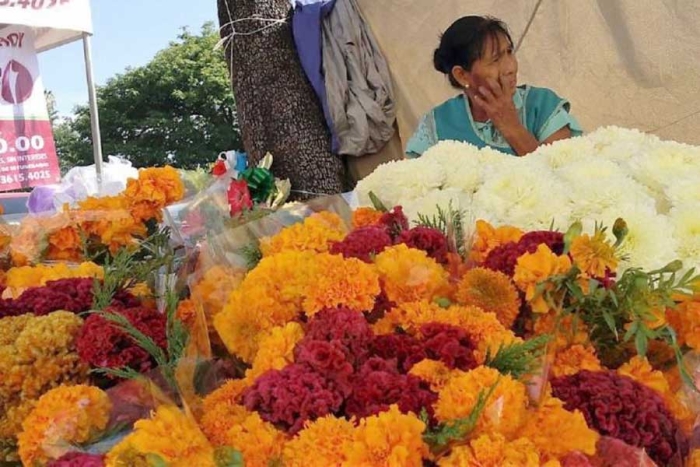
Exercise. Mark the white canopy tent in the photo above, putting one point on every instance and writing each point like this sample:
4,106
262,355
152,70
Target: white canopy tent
56,23
630,63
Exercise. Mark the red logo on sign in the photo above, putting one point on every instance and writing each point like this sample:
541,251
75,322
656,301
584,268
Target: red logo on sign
17,83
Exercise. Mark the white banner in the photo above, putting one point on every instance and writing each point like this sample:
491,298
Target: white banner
56,22
27,148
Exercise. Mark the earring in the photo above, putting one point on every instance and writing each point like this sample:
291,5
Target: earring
466,86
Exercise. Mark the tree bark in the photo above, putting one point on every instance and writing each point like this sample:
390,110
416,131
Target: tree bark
278,110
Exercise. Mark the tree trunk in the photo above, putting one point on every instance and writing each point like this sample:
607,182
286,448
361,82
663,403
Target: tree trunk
277,109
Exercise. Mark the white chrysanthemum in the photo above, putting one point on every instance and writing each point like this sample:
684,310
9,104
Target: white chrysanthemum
463,163
564,152
590,198
620,144
398,181
650,243
686,229
662,164
523,193
685,191
428,205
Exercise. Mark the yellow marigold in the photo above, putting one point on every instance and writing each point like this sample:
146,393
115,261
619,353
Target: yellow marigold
567,330
639,369
556,432
169,434
325,438
493,450
488,237
573,359
63,417
222,411
505,410
19,279
365,217
408,316
341,282
313,234
593,255
276,349
409,275
534,268
436,373
259,441
387,439
491,291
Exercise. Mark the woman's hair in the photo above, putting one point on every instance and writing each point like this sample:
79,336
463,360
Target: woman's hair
463,43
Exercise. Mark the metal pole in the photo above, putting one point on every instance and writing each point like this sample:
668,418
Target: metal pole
94,116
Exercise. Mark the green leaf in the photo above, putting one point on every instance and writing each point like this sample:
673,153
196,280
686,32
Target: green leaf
518,359
377,203
641,343
228,457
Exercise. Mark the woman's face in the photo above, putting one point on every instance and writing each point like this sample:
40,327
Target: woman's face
498,63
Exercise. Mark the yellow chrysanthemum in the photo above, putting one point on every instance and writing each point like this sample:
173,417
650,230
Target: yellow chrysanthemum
325,438
437,374
169,434
388,439
492,291
314,234
639,369
63,417
346,282
488,237
573,359
534,268
409,275
365,217
275,349
493,450
546,428
593,255
506,408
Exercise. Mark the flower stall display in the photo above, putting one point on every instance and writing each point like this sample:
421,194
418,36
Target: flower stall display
599,177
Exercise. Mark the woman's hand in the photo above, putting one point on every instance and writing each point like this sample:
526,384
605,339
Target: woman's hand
498,105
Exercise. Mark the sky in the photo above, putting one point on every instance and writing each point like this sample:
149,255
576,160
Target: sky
127,33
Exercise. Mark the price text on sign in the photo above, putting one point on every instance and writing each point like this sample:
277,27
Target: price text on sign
34,4
24,154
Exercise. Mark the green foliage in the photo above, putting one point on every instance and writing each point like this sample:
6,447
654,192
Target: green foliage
518,359
450,222
177,109
228,457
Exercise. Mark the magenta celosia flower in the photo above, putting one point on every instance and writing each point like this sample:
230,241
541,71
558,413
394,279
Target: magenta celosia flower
78,459
504,257
449,344
395,220
405,350
363,243
432,241
344,327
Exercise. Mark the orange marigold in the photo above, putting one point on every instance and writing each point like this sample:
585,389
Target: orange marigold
325,438
506,408
275,349
221,411
436,373
346,282
685,320
65,244
259,441
168,434
409,275
694,459
493,450
365,217
388,439
568,330
214,287
534,268
491,291
488,237
155,188
63,417
408,316
313,234
573,359
557,432
593,255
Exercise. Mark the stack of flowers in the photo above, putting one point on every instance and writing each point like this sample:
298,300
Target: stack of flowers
99,224
609,173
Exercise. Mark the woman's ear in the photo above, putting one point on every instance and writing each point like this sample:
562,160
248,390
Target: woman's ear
462,76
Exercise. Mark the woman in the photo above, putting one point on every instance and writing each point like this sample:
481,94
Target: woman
476,54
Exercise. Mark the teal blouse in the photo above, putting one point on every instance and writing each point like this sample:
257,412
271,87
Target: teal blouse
540,110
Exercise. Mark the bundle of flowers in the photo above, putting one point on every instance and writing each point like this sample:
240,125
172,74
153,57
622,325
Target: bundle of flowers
98,225
609,173
19,279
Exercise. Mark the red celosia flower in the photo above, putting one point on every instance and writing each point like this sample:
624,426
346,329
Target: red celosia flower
327,358
622,408
102,344
429,240
504,257
363,243
375,390
289,397
382,305
394,220
239,197
342,326
405,350
78,459
450,345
